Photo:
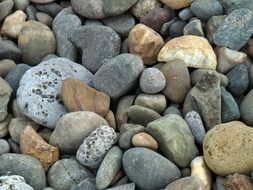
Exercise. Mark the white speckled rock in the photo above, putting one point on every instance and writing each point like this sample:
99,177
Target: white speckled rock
40,86
95,146
14,182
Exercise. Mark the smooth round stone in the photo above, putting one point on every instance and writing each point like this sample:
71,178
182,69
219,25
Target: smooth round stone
144,140
4,126
152,81
50,8
44,18
246,108
186,183
67,173
31,12
40,102
143,7
5,8
21,4
9,50
4,146
72,128
148,169
23,165
13,182
176,29
194,28
6,65
5,95
116,7
185,14
172,110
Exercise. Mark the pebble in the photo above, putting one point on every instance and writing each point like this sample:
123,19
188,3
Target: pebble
45,134
166,134
165,29
126,68
41,102
185,14
194,28
124,46
14,182
190,49
176,28
44,18
9,50
143,7
177,4
186,183
145,42
25,166
91,22
5,8
110,118
42,1
250,47
129,186
66,174
231,5
238,181
219,183
4,126
50,8
152,81
4,146
21,4
148,169
15,148
6,65
172,110
72,128
226,145
246,108
5,94
95,146
86,184
212,25
144,140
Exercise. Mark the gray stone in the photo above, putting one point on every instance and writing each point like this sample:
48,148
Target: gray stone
172,110
194,28
86,184
15,148
122,181
176,29
66,174
148,169
16,110
21,4
193,183
118,75
185,14
50,8
116,7
124,47
236,29
4,126
91,22
14,182
49,56
95,146
186,172
165,29
4,146
5,8
5,66
231,5
31,12
219,183
9,50
175,139
212,25
109,168
38,93
129,186
48,188
44,18
5,94
23,165
246,108
103,39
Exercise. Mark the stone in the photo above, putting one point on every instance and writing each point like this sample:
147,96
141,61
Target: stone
5,8
194,28
212,25
42,1
38,93
115,7
109,167
174,138
250,47
88,38
238,181
5,94
110,118
123,181
6,65
31,12
45,134
185,14
176,28
4,126
129,186
71,171
195,123
44,18
178,4
126,68
145,42
32,144
85,184
15,148
9,50
236,23
219,183
4,146
229,108
178,81
91,22
21,4
205,98
49,8
14,182
156,102
246,108
143,7
25,166
72,128
172,110
148,169
226,145
13,24
186,183
16,110
165,29
231,5
95,146
144,140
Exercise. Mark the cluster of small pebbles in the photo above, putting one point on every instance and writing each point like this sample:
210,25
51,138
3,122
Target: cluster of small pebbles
126,95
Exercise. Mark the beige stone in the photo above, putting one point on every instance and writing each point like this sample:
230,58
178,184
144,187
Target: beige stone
110,118
195,51
144,140
44,18
177,4
145,42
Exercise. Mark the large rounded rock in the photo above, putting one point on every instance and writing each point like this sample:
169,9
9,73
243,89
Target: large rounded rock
38,94
228,148
246,108
148,169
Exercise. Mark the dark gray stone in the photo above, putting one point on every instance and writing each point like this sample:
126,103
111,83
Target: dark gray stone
15,148
246,108
219,183
5,8
87,184
31,12
172,110
91,22
129,186
176,28
116,7
148,169
4,146
50,8
165,29
194,28
231,5
124,47
185,14
9,50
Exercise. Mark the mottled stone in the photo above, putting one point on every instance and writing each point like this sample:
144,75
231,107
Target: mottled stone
144,140
194,28
6,65
238,181
143,7
191,183
212,25
14,182
5,94
117,7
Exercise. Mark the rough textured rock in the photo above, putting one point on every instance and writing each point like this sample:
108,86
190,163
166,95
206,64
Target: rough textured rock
5,94
246,108
186,183
237,181
14,182
115,7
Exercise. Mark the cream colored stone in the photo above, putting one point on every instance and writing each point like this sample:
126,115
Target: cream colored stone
144,140
195,51
13,24
177,4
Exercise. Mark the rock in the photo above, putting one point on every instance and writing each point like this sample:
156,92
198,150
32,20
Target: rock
25,166
176,28
143,7
5,8
110,118
71,171
45,134
50,8
40,102
6,65
238,80
186,182
85,184
205,98
129,186
123,182
32,144
174,138
250,47
4,146
194,28
16,110
4,126
91,22
115,7
21,4
212,25
185,14
194,121
44,18
195,51
5,94
42,1
126,68
14,182
15,148
246,108
145,42
226,145
219,183
177,4
229,108
148,169
9,50
83,38
72,128
178,81
172,110
13,24
109,167
144,140
229,32
31,12
156,102
95,146
238,181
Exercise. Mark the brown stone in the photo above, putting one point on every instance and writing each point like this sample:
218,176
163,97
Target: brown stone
250,47
145,42
110,118
144,140
177,4
238,182
32,144
78,96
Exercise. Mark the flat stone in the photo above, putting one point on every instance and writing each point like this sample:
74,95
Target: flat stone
4,146
5,8
238,181
5,94
144,140
246,108
143,7
9,50
6,65
4,126
177,4
117,7
13,182
186,182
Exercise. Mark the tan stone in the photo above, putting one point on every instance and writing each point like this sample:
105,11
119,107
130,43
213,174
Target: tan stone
145,42
238,182
77,96
144,140
177,4
110,118
13,24
228,148
32,144
195,51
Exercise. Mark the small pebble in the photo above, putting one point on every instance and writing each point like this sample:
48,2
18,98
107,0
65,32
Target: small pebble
4,146
144,140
